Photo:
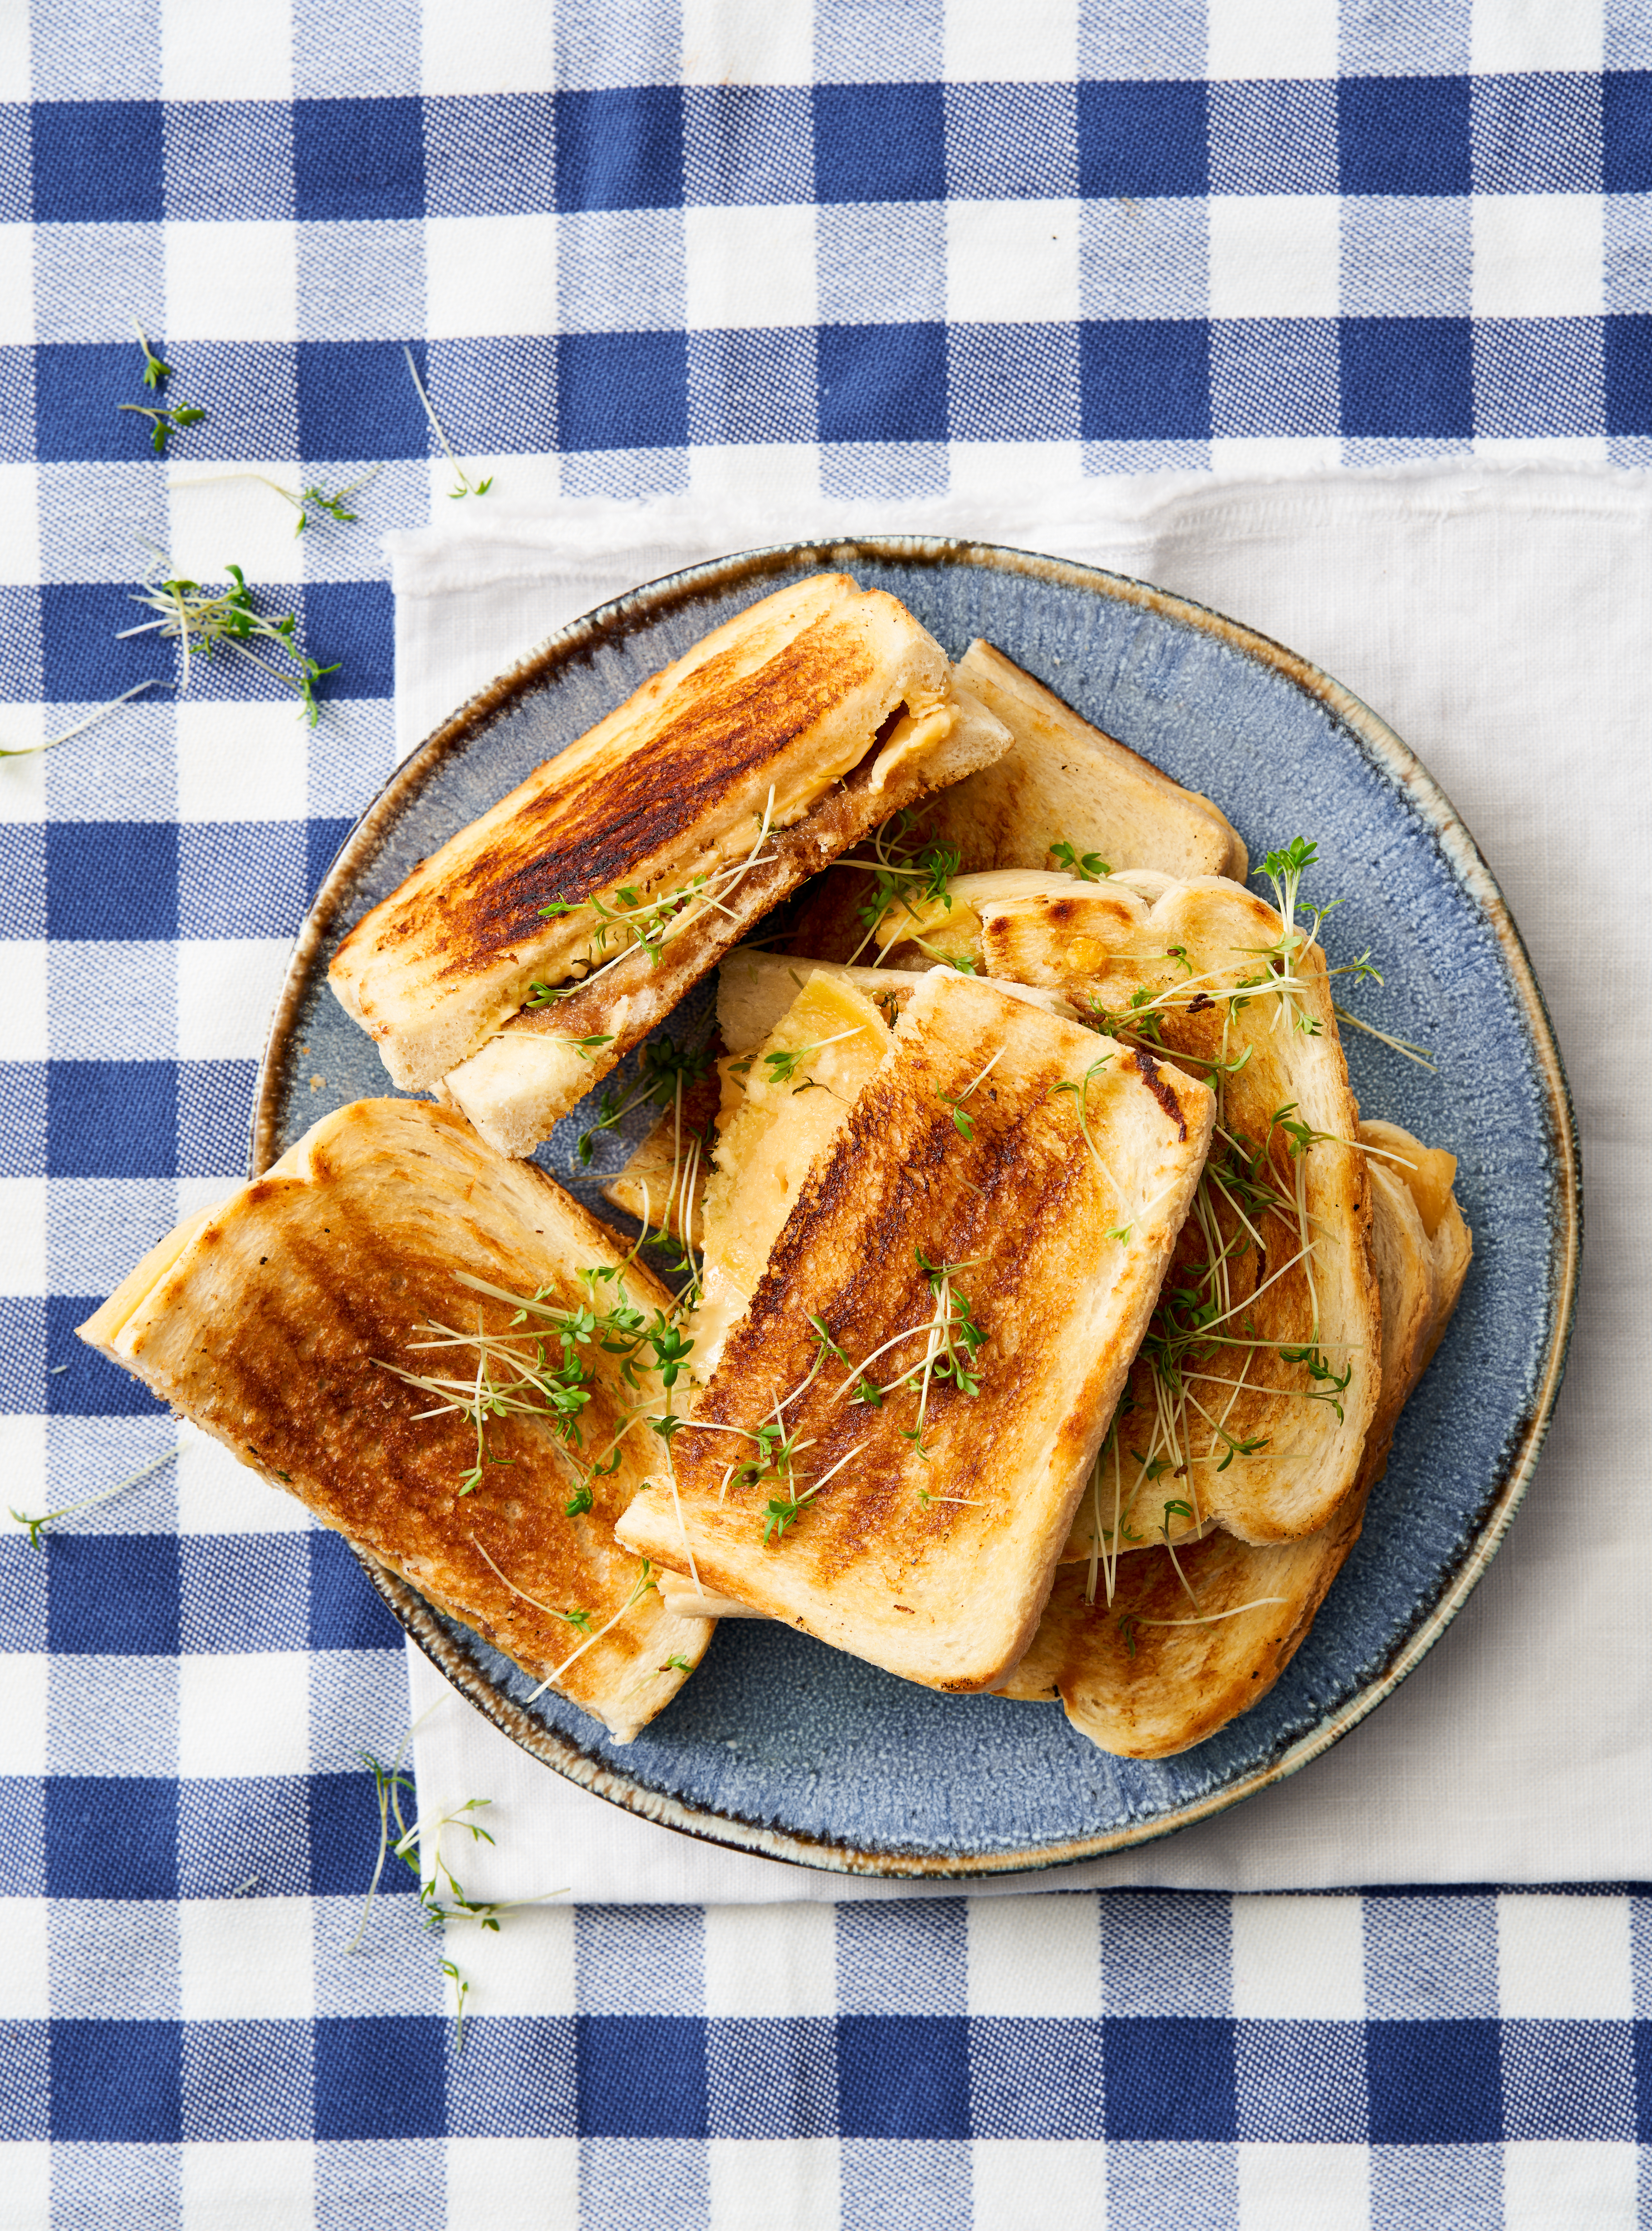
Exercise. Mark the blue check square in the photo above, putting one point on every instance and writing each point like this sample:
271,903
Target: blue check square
111,1836
117,2083
22,874
1143,140
903,2076
1170,2078
754,385
1013,383
241,878
490,155
357,399
23,1124
1035,2079
1274,137
81,1383
233,1832
82,661
352,624
623,391
99,161
244,2081
215,1101
243,1591
772,2079
1302,2082
79,389
324,838
879,143
1403,135
1629,375
1434,2083
514,2079
23,1588
1626,131
228,161
380,2076
346,1611
16,168
746,146
1407,377
20,650
1145,380
1011,142
23,1356
620,148
113,1595
111,1119
344,1836
112,880
1568,2080
883,383
1538,376
1537,135
641,2076
25,2083
358,159
23,1834
1273,376
496,395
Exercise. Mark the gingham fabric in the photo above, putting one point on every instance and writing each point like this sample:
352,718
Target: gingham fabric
846,250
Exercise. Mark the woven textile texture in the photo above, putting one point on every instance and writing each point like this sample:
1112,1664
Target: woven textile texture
841,251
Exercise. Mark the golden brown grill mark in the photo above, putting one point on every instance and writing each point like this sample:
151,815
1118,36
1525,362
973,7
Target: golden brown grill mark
574,841
1147,1069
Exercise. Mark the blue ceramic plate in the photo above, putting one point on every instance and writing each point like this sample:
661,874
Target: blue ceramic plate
781,1746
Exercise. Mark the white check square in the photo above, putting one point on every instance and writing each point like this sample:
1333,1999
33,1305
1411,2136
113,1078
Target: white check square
1285,39
1517,37
25,1986
232,281
264,2184
1043,2184
22,1235
487,50
215,1495
226,989
527,1967
1299,1959
510,2184
20,560
23,1720
1538,256
1012,263
198,62
246,1959
490,274
22,1000
1032,44
244,1713
746,42
771,1960
242,762
759,2184
1564,1959
1034,1956
1274,255
1567,2185
749,267
17,284
110,1001
109,1716
1304,2188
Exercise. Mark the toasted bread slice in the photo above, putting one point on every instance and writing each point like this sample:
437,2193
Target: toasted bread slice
521,961
754,990
1257,1418
1151,1674
1063,781
967,1255
280,1320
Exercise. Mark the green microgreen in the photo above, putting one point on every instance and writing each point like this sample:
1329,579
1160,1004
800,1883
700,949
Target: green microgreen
665,1070
580,1501
1088,867
310,501
913,876
37,1526
199,619
28,751
962,1123
156,374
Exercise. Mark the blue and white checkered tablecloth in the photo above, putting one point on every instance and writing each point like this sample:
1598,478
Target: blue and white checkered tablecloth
849,249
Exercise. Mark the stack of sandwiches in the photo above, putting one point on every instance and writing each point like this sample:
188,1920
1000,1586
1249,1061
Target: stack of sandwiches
1040,1307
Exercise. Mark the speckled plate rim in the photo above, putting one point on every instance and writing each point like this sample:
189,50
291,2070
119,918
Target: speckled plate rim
1390,757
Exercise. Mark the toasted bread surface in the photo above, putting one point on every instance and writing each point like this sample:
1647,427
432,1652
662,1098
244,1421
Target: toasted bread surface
779,703
542,1060
272,1327
1064,781
1152,1673
1259,1421
936,1564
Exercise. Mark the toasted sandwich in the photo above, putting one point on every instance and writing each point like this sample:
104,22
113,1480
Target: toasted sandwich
446,1359
1189,1641
890,1449
1251,1401
517,965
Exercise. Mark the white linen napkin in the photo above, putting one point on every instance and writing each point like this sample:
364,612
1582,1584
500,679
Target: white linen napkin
1501,621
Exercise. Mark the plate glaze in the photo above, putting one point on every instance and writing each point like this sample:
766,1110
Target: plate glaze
781,1746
